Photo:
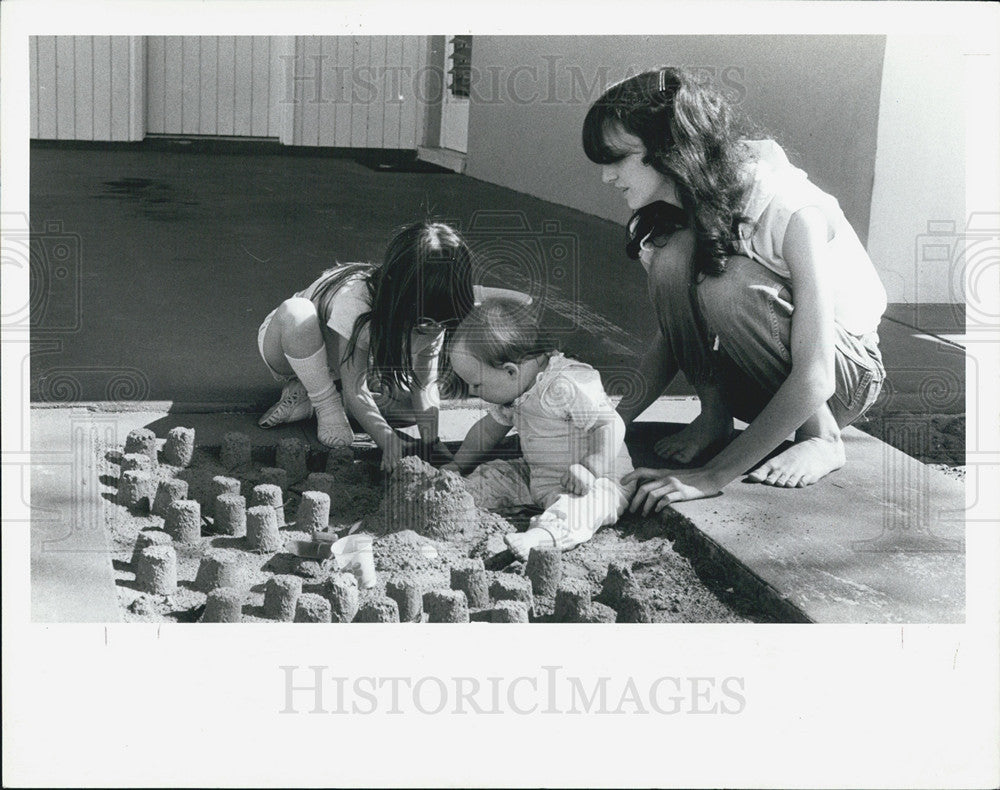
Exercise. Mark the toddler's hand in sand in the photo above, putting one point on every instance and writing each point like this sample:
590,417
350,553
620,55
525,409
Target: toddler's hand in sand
578,480
452,467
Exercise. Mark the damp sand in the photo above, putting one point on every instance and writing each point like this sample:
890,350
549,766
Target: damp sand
422,522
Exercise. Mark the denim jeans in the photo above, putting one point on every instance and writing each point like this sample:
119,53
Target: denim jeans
748,309
670,282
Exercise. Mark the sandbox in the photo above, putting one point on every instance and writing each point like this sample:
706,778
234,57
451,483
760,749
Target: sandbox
437,557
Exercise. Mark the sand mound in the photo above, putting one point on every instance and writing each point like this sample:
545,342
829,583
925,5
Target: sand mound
426,500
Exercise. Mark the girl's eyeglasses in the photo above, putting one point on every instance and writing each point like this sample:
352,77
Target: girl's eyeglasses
653,224
430,324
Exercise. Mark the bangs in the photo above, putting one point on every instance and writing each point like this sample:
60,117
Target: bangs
601,135
444,308
445,290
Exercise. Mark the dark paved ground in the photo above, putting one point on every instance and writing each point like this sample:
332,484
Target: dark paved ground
152,269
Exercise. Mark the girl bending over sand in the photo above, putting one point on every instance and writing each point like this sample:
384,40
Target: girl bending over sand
362,327
765,299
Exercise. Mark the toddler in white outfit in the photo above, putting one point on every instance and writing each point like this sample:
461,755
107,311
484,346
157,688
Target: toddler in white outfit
572,439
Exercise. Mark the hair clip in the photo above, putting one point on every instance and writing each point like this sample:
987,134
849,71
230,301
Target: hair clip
663,80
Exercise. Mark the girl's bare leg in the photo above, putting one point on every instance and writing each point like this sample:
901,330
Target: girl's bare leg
293,343
294,331
758,345
294,325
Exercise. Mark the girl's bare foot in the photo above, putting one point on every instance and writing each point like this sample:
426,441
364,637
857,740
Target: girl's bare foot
802,464
708,430
818,450
711,429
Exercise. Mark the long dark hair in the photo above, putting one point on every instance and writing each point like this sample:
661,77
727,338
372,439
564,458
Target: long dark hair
426,274
690,135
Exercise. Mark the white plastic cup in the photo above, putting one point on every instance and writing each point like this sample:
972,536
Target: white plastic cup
354,554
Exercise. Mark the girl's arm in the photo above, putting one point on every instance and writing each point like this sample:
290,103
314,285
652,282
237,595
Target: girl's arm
481,438
808,386
425,397
426,404
361,405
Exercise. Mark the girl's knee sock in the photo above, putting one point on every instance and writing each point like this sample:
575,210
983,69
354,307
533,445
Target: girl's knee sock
313,372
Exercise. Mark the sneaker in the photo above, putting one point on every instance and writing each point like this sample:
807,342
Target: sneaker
293,406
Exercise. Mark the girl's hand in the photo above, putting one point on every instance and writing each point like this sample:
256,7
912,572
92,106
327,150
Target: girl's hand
663,486
578,480
391,453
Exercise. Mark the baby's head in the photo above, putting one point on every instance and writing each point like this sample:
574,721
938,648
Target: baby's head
498,350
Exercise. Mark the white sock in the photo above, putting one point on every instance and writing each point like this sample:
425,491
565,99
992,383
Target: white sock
333,427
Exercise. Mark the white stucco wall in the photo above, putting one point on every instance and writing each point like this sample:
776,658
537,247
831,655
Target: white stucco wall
920,170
